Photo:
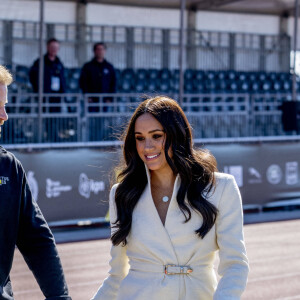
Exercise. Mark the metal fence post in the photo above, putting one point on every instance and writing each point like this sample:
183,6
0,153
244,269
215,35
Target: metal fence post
130,47
165,48
8,42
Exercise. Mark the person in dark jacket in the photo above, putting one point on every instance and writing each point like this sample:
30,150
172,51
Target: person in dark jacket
54,74
23,225
98,77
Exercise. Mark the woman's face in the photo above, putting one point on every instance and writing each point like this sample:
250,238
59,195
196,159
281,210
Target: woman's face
150,141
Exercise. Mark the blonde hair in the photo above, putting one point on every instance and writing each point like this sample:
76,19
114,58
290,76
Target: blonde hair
5,76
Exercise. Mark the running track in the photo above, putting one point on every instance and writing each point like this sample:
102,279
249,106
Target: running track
273,249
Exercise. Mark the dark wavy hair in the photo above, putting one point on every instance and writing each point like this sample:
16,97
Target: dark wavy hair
195,167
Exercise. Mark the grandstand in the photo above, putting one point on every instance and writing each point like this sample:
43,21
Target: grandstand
234,82
237,80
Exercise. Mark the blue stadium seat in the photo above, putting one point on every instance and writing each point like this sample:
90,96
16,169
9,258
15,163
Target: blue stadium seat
232,86
74,73
221,85
255,86
189,86
164,86
198,85
252,76
244,86
211,75
152,85
128,74
22,78
210,85
262,76
277,85
126,85
142,74
242,76
199,75
140,85
266,86
221,75
231,75
175,74
174,85
164,74
189,74
153,73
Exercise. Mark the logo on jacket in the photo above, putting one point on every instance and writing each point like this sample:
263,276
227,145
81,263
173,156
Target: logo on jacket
105,71
88,186
33,185
3,180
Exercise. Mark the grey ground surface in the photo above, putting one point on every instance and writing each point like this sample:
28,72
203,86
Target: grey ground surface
273,249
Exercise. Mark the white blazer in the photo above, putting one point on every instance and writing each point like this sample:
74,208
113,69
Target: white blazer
137,270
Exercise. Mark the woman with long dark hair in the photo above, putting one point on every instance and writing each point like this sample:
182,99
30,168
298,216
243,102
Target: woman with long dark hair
170,212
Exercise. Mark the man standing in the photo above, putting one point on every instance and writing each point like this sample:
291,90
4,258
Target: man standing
98,76
23,225
54,74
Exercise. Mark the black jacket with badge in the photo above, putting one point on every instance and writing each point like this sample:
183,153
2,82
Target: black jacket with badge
98,77
23,225
54,76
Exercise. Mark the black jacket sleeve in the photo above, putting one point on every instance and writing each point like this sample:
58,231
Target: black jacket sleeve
83,79
113,81
34,76
36,243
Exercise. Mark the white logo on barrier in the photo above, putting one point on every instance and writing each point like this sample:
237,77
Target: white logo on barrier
255,176
88,186
55,188
291,172
236,172
274,174
33,185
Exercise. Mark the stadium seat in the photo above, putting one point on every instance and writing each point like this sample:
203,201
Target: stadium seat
189,86
164,74
231,75
189,75
125,85
151,85
174,85
74,73
141,74
199,75
140,85
164,86
128,74
153,73
175,74
211,75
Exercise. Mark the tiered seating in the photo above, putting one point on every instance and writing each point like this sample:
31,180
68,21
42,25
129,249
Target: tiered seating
167,81
198,81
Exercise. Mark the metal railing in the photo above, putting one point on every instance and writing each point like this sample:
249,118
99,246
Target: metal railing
103,117
146,47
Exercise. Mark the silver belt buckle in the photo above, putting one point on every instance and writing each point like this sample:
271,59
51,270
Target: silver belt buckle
175,269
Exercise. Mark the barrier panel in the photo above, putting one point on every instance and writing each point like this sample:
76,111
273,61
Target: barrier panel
74,183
